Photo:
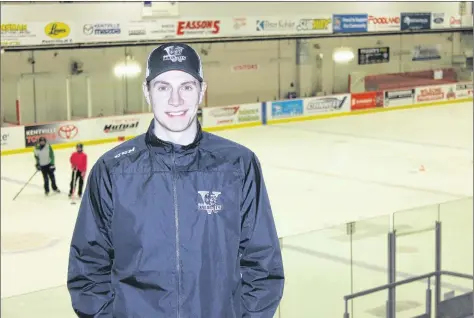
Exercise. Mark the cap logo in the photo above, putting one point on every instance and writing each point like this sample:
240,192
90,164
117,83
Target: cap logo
174,54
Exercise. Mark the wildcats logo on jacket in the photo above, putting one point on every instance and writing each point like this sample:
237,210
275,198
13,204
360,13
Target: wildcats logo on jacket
209,200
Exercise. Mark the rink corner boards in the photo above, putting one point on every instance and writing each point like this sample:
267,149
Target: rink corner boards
254,124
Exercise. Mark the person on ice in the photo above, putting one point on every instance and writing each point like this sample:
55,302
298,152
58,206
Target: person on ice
44,157
177,221
79,167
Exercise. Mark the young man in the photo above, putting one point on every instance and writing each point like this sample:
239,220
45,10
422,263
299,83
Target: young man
44,156
79,167
175,222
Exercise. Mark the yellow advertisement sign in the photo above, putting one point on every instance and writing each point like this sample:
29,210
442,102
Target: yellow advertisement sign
14,34
57,30
321,24
14,27
9,43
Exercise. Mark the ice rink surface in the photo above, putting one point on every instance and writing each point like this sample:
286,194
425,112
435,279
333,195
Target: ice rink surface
319,174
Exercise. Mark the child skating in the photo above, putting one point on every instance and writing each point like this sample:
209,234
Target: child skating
79,167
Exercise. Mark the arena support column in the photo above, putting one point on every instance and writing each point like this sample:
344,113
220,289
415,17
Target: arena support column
68,98
89,97
17,102
304,69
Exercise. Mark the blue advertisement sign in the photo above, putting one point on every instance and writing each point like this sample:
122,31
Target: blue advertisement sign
287,108
415,21
350,23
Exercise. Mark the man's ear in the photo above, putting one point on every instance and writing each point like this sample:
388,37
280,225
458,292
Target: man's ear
146,92
203,92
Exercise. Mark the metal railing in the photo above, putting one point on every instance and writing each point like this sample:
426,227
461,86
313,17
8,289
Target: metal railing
393,284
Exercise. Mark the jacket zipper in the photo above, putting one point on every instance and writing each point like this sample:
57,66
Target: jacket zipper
176,223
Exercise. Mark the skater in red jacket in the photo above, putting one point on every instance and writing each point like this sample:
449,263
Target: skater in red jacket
79,167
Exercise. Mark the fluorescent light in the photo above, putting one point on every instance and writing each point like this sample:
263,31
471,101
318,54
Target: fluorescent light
130,69
343,55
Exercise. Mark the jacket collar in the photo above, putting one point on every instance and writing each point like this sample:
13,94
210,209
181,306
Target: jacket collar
155,142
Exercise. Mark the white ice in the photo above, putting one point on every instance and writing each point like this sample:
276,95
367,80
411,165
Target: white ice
318,174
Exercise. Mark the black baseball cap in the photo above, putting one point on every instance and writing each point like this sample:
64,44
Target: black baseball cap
173,57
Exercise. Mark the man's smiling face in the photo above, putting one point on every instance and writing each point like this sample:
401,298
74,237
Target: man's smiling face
175,97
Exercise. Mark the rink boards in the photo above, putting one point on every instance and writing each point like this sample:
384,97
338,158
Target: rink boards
65,134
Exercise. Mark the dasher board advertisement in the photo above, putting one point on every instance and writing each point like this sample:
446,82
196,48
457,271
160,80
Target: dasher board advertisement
231,115
12,138
55,133
119,126
399,97
366,100
327,104
435,93
464,90
88,129
285,109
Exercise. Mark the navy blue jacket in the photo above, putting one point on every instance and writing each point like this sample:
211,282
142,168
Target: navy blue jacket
175,231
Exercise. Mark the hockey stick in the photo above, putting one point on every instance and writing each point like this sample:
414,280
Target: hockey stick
74,183
27,182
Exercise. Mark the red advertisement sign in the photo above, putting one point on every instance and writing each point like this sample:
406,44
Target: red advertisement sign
198,27
384,19
455,21
366,100
383,22
429,94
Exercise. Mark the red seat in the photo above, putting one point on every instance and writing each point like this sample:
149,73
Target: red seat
407,79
